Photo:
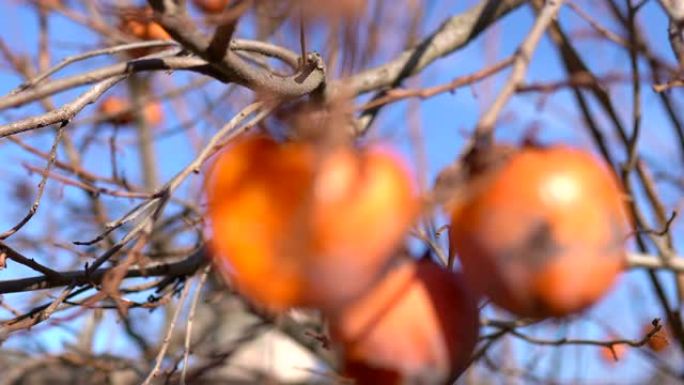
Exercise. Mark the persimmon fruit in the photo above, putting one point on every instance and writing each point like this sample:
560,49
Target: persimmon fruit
614,355
117,110
211,6
419,325
659,341
138,22
294,226
49,4
542,233
153,113
156,32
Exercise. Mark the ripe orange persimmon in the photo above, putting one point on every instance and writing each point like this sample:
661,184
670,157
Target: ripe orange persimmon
211,6
419,325
293,226
658,341
117,110
138,22
541,234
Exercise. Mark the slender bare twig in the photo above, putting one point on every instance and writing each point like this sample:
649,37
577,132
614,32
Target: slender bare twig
87,55
167,338
29,262
485,125
61,115
41,187
179,268
191,317
581,341
675,11
452,35
423,93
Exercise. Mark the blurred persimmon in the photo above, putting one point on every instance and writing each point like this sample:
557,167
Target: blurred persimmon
211,6
659,341
612,355
542,233
138,22
334,10
117,110
153,113
293,226
49,4
419,325
156,32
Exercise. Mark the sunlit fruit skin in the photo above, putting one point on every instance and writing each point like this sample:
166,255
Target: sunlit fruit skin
255,189
156,32
544,234
364,204
419,325
211,6
285,220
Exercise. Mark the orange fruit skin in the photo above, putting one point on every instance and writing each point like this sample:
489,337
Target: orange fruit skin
135,28
418,325
544,234
658,341
364,203
153,113
137,22
289,226
156,32
118,111
50,3
211,6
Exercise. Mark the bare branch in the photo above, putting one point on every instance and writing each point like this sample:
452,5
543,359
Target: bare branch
180,268
452,35
215,50
522,59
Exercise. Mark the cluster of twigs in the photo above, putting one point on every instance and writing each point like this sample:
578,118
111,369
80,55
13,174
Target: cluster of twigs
125,243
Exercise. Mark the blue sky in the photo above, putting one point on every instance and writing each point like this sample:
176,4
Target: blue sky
445,120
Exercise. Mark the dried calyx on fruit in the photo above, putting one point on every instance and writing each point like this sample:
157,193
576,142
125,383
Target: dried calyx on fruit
296,225
540,230
419,325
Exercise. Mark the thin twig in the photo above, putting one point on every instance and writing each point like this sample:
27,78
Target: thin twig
485,126
191,317
167,337
41,187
